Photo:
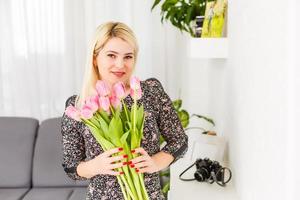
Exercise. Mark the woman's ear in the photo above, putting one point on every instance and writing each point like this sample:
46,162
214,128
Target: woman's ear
95,61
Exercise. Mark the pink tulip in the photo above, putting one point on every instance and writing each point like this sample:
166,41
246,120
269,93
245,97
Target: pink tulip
102,88
119,90
104,103
73,113
115,101
136,93
135,83
93,103
86,112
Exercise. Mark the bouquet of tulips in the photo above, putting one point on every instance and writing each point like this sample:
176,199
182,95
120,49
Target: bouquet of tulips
113,125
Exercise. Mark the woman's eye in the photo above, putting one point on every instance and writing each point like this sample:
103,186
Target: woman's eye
128,57
111,55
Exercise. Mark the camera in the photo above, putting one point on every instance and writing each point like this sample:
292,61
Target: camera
209,171
206,170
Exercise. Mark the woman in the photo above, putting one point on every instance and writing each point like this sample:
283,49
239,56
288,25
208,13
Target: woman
112,58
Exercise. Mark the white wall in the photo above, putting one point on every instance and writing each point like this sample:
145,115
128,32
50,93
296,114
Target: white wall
252,97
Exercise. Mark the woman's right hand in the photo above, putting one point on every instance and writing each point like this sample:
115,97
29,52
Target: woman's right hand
105,163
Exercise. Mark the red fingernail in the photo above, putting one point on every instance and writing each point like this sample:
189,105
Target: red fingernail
120,149
125,156
121,173
130,162
137,170
132,151
124,163
132,165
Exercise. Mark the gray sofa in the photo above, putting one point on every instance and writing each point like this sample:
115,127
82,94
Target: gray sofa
30,162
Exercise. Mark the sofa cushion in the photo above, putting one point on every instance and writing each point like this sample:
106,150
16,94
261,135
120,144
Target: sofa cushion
47,161
78,194
12,193
49,194
17,137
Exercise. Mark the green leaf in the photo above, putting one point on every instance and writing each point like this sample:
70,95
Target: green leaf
142,130
166,187
177,104
161,139
140,117
184,118
128,128
167,4
123,119
134,139
155,4
206,118
115,128
165,173
126,110
170,12
95,122
104,128
105,144
177,21
105,116
189,15
173,20
124,137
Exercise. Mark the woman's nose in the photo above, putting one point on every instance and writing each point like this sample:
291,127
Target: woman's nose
119,63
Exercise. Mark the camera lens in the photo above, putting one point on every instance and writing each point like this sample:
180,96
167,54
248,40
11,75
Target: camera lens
198,176
201,174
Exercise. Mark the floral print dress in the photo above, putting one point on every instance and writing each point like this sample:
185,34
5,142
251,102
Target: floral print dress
161,119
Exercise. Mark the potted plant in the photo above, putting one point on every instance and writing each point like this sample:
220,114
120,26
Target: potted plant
185,118
183,13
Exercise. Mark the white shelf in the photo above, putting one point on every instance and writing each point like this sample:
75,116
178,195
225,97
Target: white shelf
208,48
194,190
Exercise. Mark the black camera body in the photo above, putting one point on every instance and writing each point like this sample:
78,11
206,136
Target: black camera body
207,170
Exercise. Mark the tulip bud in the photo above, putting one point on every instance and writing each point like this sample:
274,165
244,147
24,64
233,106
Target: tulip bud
73,113
104,103
119,90
102,88
135,83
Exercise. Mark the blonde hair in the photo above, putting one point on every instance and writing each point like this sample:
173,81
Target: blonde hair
102,35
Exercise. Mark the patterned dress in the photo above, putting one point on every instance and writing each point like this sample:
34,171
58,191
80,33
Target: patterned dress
161,119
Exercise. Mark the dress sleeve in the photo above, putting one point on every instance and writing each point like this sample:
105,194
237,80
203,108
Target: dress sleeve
73,144
169,124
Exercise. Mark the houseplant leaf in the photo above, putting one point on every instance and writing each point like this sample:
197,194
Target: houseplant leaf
206,118
155,4
184,118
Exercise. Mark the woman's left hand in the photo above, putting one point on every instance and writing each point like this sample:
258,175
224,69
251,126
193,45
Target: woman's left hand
144,163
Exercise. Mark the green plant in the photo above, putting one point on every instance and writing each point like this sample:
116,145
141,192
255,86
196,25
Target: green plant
185,117
181,13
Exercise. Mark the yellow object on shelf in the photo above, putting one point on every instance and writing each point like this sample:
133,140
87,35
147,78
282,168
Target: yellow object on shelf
215,17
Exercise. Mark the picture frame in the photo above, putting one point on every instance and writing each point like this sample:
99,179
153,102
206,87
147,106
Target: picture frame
209,146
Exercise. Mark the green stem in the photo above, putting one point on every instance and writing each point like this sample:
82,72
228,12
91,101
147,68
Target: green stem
128,189
127,173
137,182
145,193
125,109
122,188
112,110
89,123
134,112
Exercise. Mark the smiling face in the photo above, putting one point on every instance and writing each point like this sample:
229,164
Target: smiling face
115,61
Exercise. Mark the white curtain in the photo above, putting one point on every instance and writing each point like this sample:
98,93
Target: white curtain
43,50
